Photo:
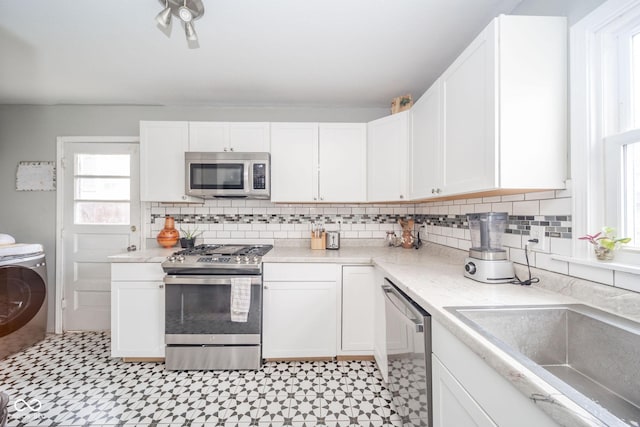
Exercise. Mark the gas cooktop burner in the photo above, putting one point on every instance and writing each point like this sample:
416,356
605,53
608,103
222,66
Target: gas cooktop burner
214,250
217,259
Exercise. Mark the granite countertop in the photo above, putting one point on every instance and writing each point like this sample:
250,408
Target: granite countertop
433,277
147,255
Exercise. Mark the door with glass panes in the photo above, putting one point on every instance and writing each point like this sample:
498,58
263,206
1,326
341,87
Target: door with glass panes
101,218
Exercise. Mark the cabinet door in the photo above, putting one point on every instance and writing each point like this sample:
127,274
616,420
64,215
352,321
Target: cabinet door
249,137
208,136
452,405
294,162
469,118
162,148
299,319
358,287
425,147
342,162
137,319
387,144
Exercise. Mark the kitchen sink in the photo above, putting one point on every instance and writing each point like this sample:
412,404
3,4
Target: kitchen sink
591,356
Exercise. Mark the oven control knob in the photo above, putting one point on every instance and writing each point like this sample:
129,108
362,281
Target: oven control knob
255,259
181,258
470,267
245,259
238,259
171,258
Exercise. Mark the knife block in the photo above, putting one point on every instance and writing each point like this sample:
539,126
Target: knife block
319,243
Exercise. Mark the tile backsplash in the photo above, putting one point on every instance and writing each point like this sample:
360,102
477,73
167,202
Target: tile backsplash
444,222
441,222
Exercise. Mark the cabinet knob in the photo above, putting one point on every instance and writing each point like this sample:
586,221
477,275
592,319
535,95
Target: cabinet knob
315,198
225,149
433,191
161,286
184,197
438,191
266,287
321,198
231,149
401,196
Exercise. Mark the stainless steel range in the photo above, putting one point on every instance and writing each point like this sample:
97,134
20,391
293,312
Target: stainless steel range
213,307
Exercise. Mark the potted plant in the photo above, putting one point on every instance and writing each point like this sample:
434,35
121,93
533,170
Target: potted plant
189,237
605,243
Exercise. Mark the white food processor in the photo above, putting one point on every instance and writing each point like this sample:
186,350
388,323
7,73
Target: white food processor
487,261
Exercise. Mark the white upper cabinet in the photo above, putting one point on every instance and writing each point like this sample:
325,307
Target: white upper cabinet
342,162
294,162
504,108
229,136
468,87
313,162
425,147
387,144
162,148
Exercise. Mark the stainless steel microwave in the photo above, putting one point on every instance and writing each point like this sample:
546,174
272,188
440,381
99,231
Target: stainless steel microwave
228,174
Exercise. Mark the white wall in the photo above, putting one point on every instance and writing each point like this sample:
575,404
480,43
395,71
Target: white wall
28,133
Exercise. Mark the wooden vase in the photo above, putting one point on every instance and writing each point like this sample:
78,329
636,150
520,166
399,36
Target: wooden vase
168,236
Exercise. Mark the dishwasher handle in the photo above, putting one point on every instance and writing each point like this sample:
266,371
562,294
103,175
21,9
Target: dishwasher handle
390,292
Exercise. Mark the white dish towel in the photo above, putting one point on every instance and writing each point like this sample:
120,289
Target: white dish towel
240,298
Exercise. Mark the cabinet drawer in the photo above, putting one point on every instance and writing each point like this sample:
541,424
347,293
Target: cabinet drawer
149,271
306,272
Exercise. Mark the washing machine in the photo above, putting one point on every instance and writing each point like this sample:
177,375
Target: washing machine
23,297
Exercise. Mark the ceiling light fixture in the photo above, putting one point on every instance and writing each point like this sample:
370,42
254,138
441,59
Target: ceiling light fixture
164,17
185,10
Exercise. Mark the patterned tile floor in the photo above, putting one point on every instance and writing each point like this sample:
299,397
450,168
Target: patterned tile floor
70,380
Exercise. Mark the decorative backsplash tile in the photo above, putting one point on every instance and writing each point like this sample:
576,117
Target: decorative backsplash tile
445,222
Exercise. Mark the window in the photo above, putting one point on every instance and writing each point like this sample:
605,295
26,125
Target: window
605,124
621,133
102,189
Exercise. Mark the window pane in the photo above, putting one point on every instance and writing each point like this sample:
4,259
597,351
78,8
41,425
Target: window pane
113,213
103,164
632,193
102,188
635,79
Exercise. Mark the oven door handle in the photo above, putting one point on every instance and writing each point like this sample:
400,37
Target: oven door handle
206,280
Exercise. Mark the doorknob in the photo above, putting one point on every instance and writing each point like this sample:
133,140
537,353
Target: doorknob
133,228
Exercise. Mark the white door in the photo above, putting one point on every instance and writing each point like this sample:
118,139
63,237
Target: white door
101,217
294,162
208,136
469,119
247,137
342,162
452,404
387,144
426,145
358,294
299,319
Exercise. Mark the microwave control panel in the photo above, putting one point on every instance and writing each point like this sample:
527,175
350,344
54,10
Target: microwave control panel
259,176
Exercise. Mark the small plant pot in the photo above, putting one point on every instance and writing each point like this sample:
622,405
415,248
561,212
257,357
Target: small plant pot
187,243
604,254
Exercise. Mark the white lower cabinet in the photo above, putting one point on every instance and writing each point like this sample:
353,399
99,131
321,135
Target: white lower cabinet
300,303
452,405
357,310
468,392
137,310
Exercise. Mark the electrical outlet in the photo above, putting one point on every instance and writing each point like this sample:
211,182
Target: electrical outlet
537,232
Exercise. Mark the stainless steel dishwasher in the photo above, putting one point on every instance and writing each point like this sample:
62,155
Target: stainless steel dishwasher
408,329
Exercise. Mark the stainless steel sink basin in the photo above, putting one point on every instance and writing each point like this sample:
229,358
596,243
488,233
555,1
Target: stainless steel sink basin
589,355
